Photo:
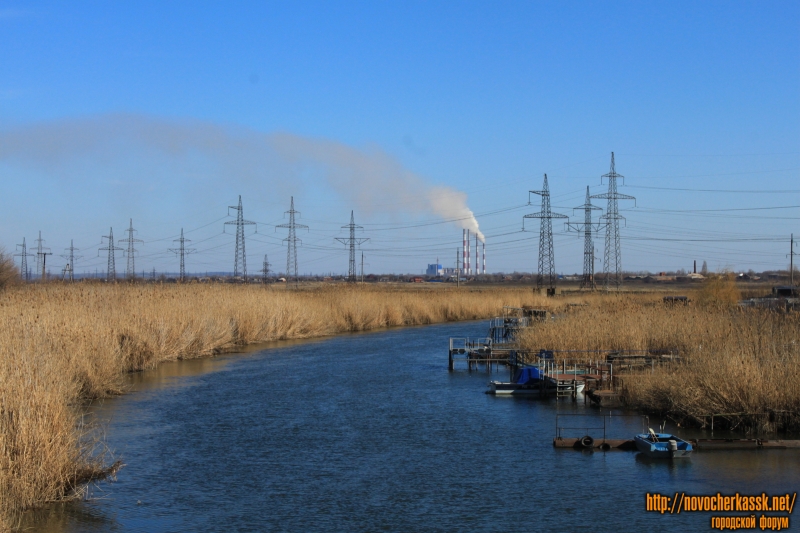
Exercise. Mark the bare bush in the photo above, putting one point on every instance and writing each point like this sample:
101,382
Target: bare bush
9,273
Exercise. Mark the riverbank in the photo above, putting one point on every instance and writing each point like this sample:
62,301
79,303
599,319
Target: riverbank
740,365
63,344
372,433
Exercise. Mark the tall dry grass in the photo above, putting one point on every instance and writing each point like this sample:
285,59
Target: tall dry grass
719,290
62,344
742,365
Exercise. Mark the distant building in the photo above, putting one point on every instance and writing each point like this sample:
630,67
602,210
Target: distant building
786,291
434,270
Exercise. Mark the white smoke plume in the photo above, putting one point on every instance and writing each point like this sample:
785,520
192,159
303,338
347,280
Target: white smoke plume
369,178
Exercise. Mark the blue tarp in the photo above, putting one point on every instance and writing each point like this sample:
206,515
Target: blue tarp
526,375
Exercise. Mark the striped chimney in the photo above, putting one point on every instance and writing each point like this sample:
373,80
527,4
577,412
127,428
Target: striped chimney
464,251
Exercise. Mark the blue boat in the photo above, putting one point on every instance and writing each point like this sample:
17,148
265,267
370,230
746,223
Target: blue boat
662,445
531,381
526,382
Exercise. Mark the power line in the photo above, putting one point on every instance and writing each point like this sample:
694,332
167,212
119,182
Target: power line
738,191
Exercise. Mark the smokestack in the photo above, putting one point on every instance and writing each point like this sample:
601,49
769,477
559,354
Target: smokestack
695,266
466,266
484,257
477,259
464,250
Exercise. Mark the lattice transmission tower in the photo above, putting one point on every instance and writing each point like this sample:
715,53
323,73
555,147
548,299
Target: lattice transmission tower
23,255
240,257
588,228
111,269
130,252
547,269
182,250
69,269
265,270
352,242
41,255
612,257
291,240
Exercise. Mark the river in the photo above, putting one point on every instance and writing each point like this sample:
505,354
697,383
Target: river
370,432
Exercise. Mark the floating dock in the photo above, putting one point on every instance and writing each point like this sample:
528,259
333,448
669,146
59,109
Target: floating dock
578,423
703,445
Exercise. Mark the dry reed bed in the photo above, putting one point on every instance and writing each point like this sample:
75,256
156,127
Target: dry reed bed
62,344
741,363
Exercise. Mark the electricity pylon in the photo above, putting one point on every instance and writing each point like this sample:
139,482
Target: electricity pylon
130,269
352,242
111,272
40,254
182,251
23,254
70,257
44,263
265,270
547,269
240,257
291,240
612,258
588,228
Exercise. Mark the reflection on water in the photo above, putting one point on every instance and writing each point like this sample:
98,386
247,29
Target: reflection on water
371,432
169,374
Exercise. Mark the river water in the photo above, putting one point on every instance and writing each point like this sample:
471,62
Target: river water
371,432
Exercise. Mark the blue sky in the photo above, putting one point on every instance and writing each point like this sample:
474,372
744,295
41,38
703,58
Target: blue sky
166,112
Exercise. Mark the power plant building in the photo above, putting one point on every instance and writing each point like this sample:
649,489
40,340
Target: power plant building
434,270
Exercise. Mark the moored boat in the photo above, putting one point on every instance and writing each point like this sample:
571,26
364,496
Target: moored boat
527,381
532,381
662,445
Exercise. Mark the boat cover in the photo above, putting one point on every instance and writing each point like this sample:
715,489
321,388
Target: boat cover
527,375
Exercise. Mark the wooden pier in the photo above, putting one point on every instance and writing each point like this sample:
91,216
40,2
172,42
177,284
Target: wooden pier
564,373
474,352
499,346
